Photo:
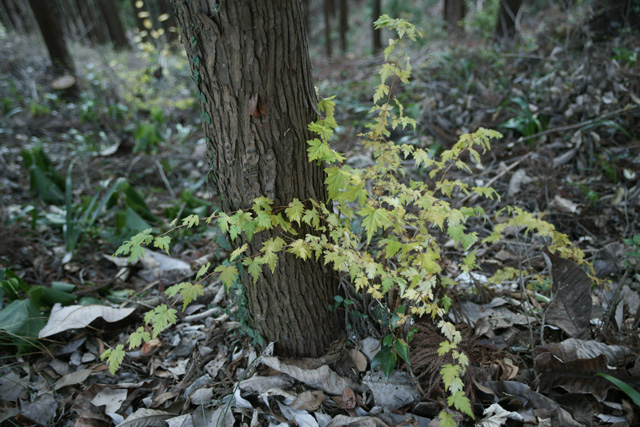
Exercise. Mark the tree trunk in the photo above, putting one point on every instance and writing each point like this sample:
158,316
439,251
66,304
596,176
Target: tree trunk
344,25
6,19
18,17
114,24
71,20
169,24
305,11
48,21
377,34
454,11
612,16
507,18
251,64
92,26
143,31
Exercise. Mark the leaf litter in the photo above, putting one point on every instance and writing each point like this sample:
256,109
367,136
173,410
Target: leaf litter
534,354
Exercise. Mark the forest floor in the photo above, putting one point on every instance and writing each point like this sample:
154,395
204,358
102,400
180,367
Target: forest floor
568,104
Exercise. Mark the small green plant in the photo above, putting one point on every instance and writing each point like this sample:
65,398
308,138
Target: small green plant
382,230
482,20
626,388
633,256
628,56
46,181
23,307
525,121
80,218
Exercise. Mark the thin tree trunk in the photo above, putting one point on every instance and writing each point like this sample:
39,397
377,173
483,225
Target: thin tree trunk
18,12
251,65
69,19
454,11
114,24
507,18
169,24
327,27
92,26
53,35
377,34
142,30
6,18
344,24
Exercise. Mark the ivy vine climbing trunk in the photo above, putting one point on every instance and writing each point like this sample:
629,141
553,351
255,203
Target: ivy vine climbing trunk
250,62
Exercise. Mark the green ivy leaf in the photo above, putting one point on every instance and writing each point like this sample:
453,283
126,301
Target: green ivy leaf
191,221
190,293
160,317
114,357
336,181
162,243
300,249
223,222
449,374
254,267
372,219
136,338
228,274
202,271
461,402
295,210
402,349
446,420
239,251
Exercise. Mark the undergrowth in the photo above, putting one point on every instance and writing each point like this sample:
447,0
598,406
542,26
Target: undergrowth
403,222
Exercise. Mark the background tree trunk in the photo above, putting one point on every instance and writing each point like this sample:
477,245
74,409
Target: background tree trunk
454,11
18,17
92,25
326,11
377,34
114,24
251,64
142,30
169,24
507,17
611,16
48,21
344,24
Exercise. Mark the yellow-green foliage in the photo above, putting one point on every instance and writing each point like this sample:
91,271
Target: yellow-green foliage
401,218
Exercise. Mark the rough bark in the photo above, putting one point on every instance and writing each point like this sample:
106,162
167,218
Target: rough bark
251,65
305,11
454,11
48,21
114,24
507,18
377,34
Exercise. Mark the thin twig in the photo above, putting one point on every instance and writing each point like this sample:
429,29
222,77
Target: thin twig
613,302
581,124
164,179
474,196
523,291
